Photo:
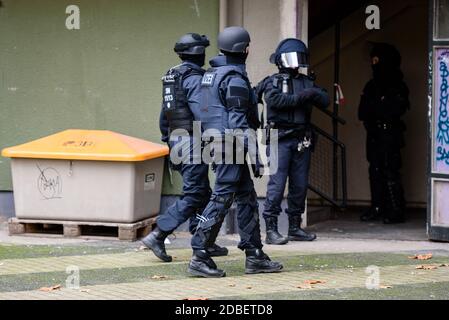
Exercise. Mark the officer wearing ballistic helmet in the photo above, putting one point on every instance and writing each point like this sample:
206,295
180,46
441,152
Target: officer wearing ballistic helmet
228,103
290,97
180,107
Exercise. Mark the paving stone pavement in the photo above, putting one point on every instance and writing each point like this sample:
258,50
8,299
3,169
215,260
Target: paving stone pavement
196,288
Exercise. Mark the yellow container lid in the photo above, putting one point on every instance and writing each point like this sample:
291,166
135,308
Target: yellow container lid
100,145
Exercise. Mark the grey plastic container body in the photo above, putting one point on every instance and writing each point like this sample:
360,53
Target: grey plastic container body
103,191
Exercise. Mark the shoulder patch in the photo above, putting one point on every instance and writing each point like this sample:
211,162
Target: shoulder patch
169,78
208,79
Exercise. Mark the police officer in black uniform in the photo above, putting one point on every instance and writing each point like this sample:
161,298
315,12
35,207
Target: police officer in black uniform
180,107
229,102
290,97
384,101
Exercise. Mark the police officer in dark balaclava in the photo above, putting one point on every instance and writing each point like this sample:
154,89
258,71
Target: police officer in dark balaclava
290,97
228,102
180,107
384,101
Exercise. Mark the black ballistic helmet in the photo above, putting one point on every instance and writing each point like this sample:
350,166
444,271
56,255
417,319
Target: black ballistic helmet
291,53
191,44
233,40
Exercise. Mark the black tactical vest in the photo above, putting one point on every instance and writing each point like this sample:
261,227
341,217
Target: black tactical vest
175,104
291,117
215,112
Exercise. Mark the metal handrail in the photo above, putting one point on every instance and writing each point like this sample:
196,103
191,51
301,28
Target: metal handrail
339,203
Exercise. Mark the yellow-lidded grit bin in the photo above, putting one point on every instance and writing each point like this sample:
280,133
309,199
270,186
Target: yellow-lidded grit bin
87,175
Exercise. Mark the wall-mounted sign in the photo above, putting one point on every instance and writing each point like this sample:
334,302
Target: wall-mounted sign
441,111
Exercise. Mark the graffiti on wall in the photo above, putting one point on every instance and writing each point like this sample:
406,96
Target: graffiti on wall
441,96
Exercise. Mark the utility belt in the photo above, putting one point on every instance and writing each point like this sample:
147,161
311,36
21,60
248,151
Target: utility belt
297,131
305,133
385,125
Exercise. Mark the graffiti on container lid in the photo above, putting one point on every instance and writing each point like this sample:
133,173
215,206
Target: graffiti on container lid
49,183
78,144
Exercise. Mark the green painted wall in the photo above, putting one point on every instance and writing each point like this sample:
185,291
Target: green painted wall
104,76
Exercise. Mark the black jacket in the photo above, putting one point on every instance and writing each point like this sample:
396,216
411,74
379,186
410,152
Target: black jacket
292,109
382,105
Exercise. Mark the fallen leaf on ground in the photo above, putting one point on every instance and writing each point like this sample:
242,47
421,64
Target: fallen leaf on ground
422,256
308,284
52,288
427,267
385,287
196,298
85,290
249,287
159,277
312,282
231,285
444,265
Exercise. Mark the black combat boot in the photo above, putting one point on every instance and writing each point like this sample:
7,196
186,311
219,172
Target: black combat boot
372,214
295,233
258,262
217,251
155,242
202,265
273,236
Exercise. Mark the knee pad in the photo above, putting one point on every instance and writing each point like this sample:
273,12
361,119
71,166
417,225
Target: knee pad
225,200
222,205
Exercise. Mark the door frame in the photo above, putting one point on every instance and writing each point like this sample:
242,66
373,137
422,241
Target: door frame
435,232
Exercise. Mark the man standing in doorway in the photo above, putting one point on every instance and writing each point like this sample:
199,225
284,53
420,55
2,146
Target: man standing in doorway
384,101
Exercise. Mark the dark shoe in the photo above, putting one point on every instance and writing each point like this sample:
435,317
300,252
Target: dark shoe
217,251
295,233
273,235
155,242
202,265
258,262
372,214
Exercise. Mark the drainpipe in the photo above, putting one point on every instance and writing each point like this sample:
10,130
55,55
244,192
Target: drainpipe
294,20
223,15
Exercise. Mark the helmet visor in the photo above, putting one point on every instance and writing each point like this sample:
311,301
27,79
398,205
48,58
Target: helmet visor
294,60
